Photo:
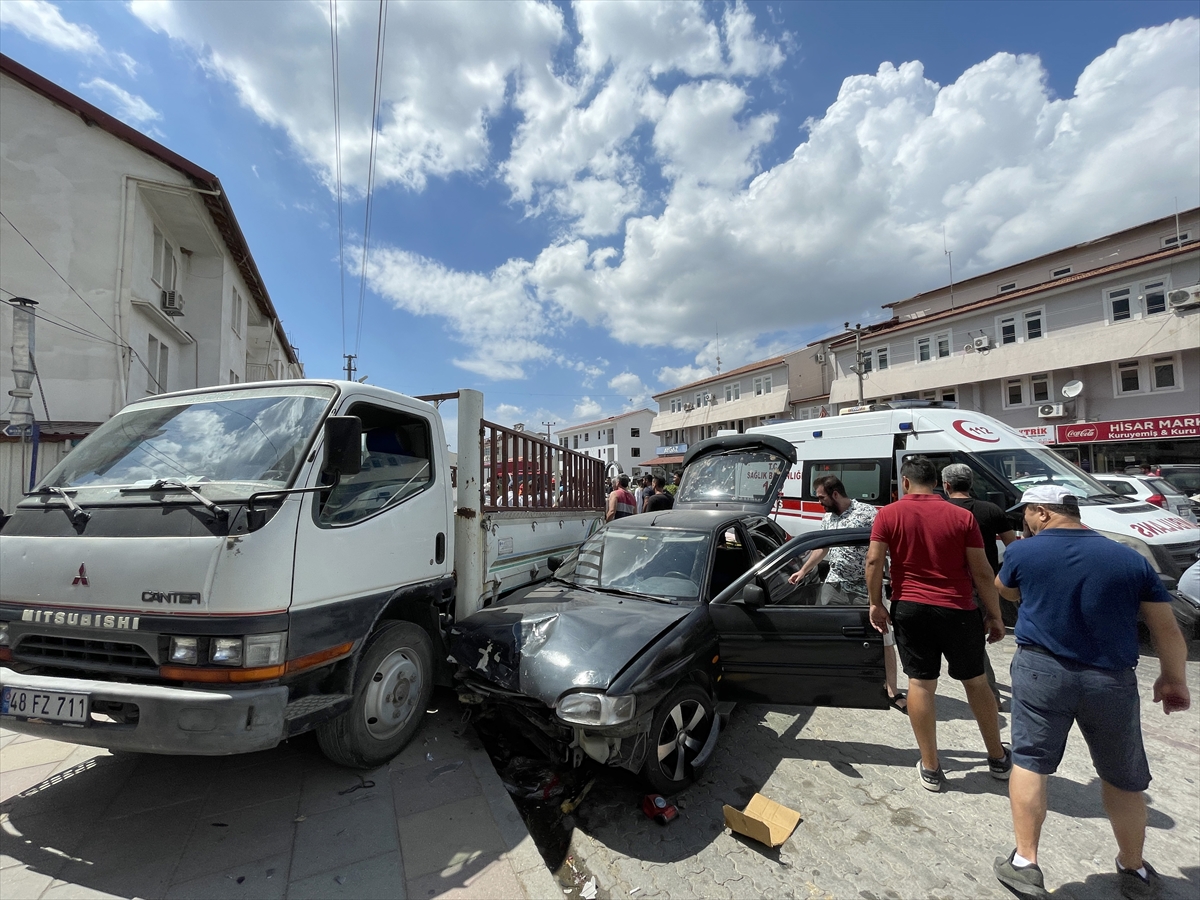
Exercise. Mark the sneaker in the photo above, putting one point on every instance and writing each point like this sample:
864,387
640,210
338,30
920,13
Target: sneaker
931,781
1134,886
1001,768
1026,881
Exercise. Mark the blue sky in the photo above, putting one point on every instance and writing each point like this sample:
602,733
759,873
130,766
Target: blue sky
573,200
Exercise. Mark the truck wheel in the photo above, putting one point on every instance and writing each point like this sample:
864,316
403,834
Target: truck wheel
391,692
681,726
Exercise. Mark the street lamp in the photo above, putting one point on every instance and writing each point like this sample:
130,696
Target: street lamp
857,368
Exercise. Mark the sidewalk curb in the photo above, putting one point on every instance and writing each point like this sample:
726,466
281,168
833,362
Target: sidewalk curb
521,853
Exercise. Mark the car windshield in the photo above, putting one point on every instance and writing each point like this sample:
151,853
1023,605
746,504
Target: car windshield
1026,467
657,562
227,443
1185,479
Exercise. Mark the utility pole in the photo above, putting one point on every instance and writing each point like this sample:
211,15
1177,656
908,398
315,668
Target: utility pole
857,368
350,367
549,425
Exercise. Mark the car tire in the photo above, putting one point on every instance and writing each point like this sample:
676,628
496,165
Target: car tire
678,731
392,688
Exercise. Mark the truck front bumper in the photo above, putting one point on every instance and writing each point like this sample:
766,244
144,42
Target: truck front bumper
170,720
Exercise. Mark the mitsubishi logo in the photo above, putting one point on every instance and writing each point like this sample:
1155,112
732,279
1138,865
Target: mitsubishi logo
81,578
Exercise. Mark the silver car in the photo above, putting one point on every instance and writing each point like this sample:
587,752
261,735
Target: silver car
1150,489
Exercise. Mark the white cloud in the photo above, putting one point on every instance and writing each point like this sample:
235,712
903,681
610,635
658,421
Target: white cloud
43,22
586,409
671,376
447,71
129,107
631,386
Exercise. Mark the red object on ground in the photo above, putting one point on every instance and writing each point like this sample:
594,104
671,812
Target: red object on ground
656,807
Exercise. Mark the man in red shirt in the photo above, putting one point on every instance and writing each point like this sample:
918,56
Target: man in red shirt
937,556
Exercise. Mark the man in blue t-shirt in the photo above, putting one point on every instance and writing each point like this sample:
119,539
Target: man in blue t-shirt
1077,646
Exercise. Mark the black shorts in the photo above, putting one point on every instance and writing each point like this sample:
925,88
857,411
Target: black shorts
925,633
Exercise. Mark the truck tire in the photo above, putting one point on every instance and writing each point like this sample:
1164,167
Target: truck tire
681,725
391,692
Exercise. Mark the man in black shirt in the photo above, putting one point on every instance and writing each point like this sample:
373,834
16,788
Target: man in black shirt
957,478
660,499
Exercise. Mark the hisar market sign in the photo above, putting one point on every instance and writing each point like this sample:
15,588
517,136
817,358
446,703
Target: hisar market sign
1127,430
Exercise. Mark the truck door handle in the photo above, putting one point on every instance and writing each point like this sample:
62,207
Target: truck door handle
854,631
439,548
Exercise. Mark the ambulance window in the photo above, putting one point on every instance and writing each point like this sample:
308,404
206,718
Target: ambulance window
863,478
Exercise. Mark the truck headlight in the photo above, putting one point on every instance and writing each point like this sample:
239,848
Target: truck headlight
586,708
184,650
263,650
1141,547
226,651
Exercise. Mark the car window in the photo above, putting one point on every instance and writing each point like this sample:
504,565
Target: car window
766,537
863,478
1185,479
730,560
1161,485
1121,487
396,464
839,579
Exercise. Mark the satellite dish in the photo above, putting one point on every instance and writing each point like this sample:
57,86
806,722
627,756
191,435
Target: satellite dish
1072,389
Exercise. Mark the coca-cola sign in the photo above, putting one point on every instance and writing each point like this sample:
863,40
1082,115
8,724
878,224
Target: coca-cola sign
1158,428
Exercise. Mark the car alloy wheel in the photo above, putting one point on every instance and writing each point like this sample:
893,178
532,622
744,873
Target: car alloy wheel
680,729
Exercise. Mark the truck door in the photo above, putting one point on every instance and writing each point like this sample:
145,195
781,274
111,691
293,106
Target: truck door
379,530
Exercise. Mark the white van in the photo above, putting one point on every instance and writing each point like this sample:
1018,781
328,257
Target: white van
865,450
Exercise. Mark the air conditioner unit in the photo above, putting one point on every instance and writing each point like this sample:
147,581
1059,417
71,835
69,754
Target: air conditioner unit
983,342
820,357
1050,411
1185,298
688,407
172,303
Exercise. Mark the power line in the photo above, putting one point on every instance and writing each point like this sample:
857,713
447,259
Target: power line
337,152
380,40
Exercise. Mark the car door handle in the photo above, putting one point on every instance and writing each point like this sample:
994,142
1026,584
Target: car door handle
854,631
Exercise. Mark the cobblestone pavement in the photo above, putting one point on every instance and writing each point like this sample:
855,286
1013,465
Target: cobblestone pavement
79,822
869,830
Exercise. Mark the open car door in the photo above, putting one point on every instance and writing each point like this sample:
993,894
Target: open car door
809,644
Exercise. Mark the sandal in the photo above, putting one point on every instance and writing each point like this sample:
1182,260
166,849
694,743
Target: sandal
896,699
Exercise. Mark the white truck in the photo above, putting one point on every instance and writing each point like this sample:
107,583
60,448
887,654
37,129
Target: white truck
216,570
865,450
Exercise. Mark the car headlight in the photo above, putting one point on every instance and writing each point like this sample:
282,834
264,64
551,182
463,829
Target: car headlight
585,708
1141,547
184,650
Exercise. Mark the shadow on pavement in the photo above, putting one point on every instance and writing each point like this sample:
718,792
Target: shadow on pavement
1105,886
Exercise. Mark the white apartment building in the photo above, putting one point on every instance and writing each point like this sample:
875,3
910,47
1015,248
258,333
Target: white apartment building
794,385
143,280
625,440
1110,318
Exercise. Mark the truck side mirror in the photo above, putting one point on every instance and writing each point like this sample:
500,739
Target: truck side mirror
343,446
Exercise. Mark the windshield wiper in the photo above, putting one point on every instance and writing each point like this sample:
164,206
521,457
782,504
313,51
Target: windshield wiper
75,512
640,596
164,483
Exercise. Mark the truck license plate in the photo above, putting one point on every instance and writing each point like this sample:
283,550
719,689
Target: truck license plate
49,705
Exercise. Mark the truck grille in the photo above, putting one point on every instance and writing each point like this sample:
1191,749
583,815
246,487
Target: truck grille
1184,554
80,653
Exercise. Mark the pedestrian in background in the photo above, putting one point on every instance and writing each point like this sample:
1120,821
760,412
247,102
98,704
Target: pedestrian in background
643,491
1077,647
659,499
936,554
994,525
674,485
620,501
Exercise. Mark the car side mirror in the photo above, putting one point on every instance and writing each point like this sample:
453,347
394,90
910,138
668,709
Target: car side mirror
553,562
343,447
754,596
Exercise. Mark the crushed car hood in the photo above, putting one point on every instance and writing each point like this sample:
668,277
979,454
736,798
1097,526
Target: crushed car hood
558,638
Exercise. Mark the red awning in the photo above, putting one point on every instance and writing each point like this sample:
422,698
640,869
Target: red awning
662,461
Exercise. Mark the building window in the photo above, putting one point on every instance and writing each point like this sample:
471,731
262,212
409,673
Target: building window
866,361
762,385
576,442
1154,297
733,392
881,358
635,452
1175,240
164,262
1118,304
635,432
233,377
1128,377
1060,272
1008,330
1027,390
157,354
1163,370
238,312
1014,391
1039,388
1005,288
949,395
1033,324
923,349
943,345
676,404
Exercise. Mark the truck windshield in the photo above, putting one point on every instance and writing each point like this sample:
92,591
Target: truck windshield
1026,467
657,562
236,441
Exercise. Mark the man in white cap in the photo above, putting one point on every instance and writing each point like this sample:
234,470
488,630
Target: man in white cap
1077,646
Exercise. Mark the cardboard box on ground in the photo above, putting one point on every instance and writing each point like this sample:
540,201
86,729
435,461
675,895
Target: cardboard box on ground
764,820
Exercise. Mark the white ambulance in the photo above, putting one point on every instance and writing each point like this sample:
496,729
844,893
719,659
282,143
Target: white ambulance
865,450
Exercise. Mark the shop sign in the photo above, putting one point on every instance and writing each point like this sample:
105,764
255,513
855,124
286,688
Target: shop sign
1130,430
671,450
1043,434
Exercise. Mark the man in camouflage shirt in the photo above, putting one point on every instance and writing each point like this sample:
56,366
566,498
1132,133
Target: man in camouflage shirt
846,583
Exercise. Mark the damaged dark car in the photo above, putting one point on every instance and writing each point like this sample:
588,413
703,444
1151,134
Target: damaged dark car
624,655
